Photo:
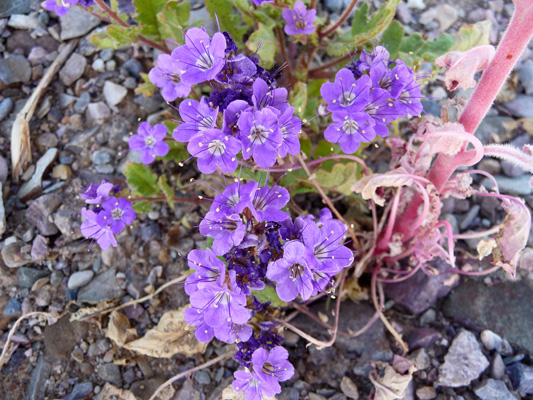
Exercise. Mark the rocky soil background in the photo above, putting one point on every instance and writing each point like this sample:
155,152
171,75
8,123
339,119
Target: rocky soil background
470,338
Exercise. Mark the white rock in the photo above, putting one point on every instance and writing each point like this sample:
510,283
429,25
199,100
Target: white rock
114,93
98,112
79,279
490,340
418,4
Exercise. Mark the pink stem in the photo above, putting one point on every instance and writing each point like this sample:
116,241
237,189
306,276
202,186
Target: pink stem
384,241
474,235
484,173
449,234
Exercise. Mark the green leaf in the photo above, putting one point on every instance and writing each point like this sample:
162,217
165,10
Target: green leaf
173,19
426,50
269,294
473,35
141,179
299,97
142,206
364,29
227,18
146,16
177,152
265,36
392,37
167,191
122,36
306,147
340,179
147,88
102,40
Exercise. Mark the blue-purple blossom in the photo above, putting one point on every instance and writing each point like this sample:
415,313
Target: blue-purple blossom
267,203
97,193
299,21
265,95
202,58
234,198
349,129
260,136
346,94
227,231
167,76
208,269
253,387
215,150
231,116
290,127
272,366
293,272
61,7
150,142
91,229
203,332
117,213
197,117
259,2
381,108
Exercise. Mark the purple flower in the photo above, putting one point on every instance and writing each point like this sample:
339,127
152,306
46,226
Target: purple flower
215,150
231,333
202,58
193,316
253,387
266,96
381,108
267,204
346,93
290,127
292,272
379,55
228,231
272,367
197,117
231,116
167,76
234,198
299,20
349,129
91,229
258,2
220,305
60,7
207,267
149,141
117,213
97,193
237,70
408,102
260,136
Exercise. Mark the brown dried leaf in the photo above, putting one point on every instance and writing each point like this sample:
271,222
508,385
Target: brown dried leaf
119,329
110,392
172,335
391,384
20,145
91,311
368,185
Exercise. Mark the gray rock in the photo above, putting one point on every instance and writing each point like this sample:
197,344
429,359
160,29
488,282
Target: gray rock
463,363
452,221
10,7
497,368
499,299
15,69
202,377
39,211
13,306
521,377
80,278
334,5
3,170
421,291
37,55
61,338
82,102
110,373
114,93
77,22
97,113
491,126
431,106
403,13
99,348
135,67
80,390
103,287
14,257
149,104
48,140
98,65
491,340
101,157
28,276
39,248
469,217
349,388
73,69
423,337
33,187
518,186
490,165
493,390
5,108
525,73
79,142
106,54
27,22
511,170
39,376
521,106
2,211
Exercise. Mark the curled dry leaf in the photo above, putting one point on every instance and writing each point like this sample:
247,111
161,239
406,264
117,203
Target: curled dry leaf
369,185
391,383
119,329
20,145
172,335
110,392
463,65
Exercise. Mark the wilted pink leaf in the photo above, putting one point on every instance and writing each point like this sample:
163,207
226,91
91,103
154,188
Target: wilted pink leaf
521,158
368,185
462,65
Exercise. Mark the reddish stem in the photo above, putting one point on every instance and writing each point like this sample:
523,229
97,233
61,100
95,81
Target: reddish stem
342,18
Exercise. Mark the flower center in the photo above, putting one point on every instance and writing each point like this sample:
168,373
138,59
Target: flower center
205,123
296,271
63,3
205,61
300,23
173,77
117,213
217,148
267,369
258,133
149,141
347,99
350,126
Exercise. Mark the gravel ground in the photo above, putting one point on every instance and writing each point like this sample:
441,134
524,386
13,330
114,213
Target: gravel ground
469,338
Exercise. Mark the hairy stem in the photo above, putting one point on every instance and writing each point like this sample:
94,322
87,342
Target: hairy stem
284,52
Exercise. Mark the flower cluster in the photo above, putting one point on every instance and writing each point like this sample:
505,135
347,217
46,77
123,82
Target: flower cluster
256,244
366,96
245,111
109,215
61,7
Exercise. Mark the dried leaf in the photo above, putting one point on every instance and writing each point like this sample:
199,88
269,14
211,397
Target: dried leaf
20,145
172,335
119,329
463,65
485,247
91,311
110,392
392,383
368,185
